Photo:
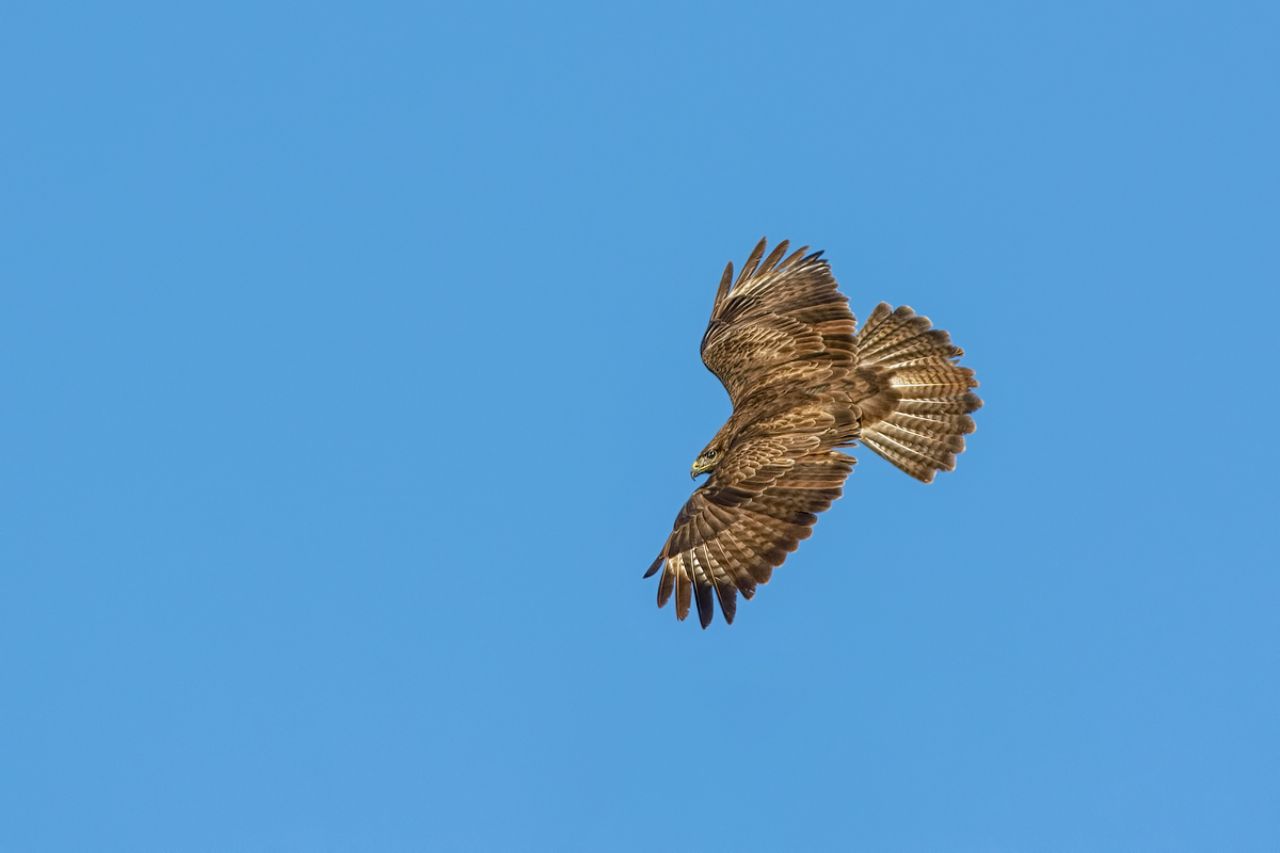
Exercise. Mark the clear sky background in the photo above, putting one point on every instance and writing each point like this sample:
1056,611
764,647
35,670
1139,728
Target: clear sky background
349,382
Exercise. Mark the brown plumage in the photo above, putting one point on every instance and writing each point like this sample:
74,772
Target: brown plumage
782,341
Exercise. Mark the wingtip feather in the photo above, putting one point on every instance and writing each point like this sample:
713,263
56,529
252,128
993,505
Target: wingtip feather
653,568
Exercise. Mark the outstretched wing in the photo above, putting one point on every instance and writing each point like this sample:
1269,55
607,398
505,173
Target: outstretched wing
782,322
740,525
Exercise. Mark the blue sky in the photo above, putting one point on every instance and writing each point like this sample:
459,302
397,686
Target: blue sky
349,373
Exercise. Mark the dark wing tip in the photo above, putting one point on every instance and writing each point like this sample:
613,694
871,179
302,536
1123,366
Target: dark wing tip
653,569
727,594
702,595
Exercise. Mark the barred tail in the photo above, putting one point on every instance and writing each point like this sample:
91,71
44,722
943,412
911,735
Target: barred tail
918,413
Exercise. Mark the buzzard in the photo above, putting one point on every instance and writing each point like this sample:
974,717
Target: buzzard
802,382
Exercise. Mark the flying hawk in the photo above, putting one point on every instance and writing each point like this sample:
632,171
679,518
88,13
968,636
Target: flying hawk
782,341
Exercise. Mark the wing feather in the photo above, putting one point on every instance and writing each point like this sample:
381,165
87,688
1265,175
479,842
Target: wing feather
775,256
753,260
781,323
722,547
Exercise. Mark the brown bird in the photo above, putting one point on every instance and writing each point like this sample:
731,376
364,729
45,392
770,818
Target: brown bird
782,341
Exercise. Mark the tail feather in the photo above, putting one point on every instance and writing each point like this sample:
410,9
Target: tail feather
886,326
917,413
937,408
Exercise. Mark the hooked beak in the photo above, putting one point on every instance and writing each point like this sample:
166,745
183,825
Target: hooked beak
695,471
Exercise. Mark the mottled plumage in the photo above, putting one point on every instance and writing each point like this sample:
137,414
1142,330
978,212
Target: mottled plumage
782,341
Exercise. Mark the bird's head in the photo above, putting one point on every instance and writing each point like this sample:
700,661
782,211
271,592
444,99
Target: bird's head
707,460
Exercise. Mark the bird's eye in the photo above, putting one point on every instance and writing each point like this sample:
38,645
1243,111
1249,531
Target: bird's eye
711,454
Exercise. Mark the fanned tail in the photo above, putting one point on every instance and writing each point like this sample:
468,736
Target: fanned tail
917,413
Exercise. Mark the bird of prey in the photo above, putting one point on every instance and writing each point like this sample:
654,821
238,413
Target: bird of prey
803,383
